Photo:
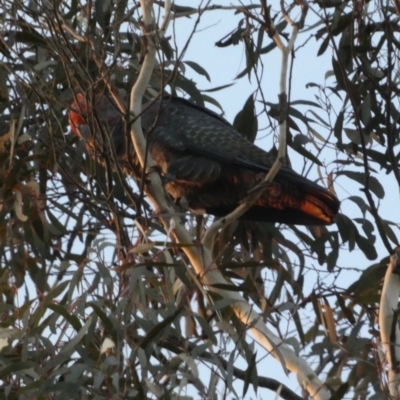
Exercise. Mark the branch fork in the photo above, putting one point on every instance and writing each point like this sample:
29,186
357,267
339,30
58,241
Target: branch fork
201,257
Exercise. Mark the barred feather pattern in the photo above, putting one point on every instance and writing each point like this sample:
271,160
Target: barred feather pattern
204,160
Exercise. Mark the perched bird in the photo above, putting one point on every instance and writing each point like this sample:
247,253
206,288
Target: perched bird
206,161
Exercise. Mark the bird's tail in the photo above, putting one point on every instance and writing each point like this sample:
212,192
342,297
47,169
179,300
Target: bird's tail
294,199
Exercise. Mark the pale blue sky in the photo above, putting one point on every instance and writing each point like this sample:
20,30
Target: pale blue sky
223,64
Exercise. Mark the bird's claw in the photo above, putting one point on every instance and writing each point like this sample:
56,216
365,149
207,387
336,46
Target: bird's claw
165,178
182,203
154,168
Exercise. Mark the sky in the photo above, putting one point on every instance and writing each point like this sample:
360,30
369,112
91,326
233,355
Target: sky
223,65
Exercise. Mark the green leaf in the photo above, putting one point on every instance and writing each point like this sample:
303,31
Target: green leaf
331,259
157,329
346,311
297,320
360,202
366,110
305,153
370,279
56,291
305,103
246,120
367,247
198,68
5,372
347,230
251,375
70,345
323,46
389,231
191,89
341,81
167,49
103,317
300,140
275,113
246,71
338,129
217,88
211,100
103,13
232,38
322,121
207,329
368,228
72,319
373,184
267,48
176,8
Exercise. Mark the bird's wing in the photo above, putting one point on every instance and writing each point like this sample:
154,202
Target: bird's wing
188,129
185,127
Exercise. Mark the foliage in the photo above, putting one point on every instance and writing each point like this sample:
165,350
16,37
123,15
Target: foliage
84,258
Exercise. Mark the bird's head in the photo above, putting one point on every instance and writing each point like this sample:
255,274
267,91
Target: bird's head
98,110
78,114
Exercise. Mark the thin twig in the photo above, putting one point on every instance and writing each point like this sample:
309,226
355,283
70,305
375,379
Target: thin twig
212,231
367,191
201,259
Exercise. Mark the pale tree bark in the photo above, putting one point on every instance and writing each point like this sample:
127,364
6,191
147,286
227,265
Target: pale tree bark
389,323
201,259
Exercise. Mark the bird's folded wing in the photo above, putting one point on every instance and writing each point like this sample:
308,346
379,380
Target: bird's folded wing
190,129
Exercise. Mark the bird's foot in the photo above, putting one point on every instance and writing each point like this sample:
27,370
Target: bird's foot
167,178
157,169
160,213
154,168
182,203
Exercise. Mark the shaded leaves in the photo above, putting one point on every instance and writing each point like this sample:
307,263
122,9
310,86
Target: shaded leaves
97,272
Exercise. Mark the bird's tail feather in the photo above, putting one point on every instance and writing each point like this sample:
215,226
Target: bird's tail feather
301,199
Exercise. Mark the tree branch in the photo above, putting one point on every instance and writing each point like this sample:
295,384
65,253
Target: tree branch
367,191
201,259
212,231
268,383
388,322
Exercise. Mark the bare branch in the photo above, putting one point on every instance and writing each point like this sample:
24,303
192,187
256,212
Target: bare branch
269,383
357,120
257,191
202,260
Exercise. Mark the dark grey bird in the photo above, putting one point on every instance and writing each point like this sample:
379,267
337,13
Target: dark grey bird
206,161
